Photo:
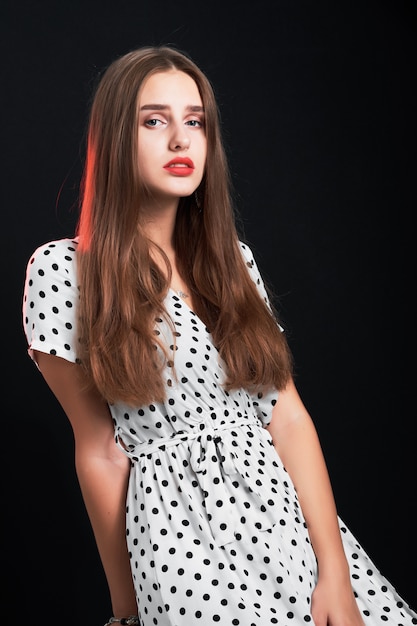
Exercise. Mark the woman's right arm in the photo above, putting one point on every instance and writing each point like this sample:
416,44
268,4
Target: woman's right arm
102,470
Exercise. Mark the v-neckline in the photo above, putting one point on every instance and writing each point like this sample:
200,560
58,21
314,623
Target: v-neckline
183,300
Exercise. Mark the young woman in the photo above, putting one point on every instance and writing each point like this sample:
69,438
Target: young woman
200,467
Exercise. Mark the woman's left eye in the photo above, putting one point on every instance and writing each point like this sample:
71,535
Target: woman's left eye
194,123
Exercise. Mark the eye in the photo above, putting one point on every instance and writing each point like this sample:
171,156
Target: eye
195,123
152,122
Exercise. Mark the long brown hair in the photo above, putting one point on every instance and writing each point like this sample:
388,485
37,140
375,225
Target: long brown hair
121,288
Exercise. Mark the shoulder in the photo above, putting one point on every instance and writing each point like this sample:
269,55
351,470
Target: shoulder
57,257
246,253
250,262
254,272
64,249
51,272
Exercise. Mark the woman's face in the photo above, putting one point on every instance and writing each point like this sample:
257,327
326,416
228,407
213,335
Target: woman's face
172,144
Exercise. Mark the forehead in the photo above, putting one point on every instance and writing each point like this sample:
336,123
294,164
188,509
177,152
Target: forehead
171,86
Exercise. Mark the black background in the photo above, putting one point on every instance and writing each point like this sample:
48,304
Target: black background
318,112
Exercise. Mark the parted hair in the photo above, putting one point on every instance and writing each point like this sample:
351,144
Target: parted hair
122,290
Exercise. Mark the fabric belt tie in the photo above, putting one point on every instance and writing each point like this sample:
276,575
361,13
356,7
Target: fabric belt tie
213,461
217,468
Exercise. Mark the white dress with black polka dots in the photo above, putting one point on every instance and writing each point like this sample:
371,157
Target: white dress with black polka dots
214,527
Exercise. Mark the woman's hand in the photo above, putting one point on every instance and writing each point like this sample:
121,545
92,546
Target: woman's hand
333,602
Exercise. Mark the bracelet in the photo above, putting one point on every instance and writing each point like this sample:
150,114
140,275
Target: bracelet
132,620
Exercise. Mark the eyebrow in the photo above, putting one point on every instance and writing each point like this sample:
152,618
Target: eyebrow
194,108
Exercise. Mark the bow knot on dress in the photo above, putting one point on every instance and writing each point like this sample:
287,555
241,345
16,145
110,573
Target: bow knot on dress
221,471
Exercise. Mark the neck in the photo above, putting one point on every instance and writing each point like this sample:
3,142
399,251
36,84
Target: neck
160,224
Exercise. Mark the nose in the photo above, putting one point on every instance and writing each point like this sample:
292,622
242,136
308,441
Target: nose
179,140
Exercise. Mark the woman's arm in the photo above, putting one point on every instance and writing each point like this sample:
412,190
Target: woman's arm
102,471
296,441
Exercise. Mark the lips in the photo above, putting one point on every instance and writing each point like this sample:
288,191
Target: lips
180,166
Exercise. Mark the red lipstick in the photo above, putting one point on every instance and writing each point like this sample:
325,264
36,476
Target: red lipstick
180,166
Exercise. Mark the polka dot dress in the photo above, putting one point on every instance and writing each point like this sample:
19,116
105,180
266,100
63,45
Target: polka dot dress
214,527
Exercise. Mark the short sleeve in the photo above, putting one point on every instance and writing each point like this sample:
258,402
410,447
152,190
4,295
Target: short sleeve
254,271
263,403
50,300
255,274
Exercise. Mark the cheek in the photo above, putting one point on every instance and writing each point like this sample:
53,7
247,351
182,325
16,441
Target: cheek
146,154
202,151
141,154
203,159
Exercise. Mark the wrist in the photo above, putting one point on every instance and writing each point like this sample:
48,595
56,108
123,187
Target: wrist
334,568
130,620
